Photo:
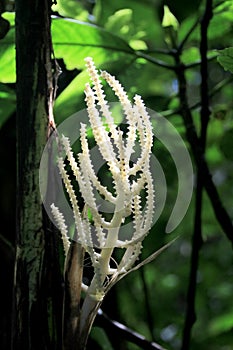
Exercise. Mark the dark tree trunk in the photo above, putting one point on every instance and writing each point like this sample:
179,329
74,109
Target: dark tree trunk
37,283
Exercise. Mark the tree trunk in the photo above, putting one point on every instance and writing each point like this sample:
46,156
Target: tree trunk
37,282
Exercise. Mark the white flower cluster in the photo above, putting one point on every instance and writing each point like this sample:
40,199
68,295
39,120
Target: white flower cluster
130,180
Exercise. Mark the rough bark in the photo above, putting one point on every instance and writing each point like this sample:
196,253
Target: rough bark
37,283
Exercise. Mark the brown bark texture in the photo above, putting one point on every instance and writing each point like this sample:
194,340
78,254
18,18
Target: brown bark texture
37,292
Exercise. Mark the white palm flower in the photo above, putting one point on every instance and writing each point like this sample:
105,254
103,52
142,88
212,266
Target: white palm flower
131,180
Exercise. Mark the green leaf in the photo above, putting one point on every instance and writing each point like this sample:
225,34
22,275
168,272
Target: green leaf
7,103
74,40
219,31
225,58
169,20
130,21
182,8
71,8
71,100
221,324
170,26
7,53
10,17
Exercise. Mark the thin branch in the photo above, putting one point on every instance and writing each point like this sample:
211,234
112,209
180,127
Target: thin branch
126,333
198,62
217,88
192,137
183,42
153,60
205,110
197,240
159,51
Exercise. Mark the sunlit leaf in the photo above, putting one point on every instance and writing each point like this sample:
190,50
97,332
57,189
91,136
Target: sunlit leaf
71,8
7,53
74,40
225,58
71,100
169,20
182,9
121,23
130,20
10,17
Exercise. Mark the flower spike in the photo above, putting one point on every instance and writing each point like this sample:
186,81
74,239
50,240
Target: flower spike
131,199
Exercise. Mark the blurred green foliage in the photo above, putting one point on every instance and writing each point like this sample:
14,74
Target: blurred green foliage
119,35
226,58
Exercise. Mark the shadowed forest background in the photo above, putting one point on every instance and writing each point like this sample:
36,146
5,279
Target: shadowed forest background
182,67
